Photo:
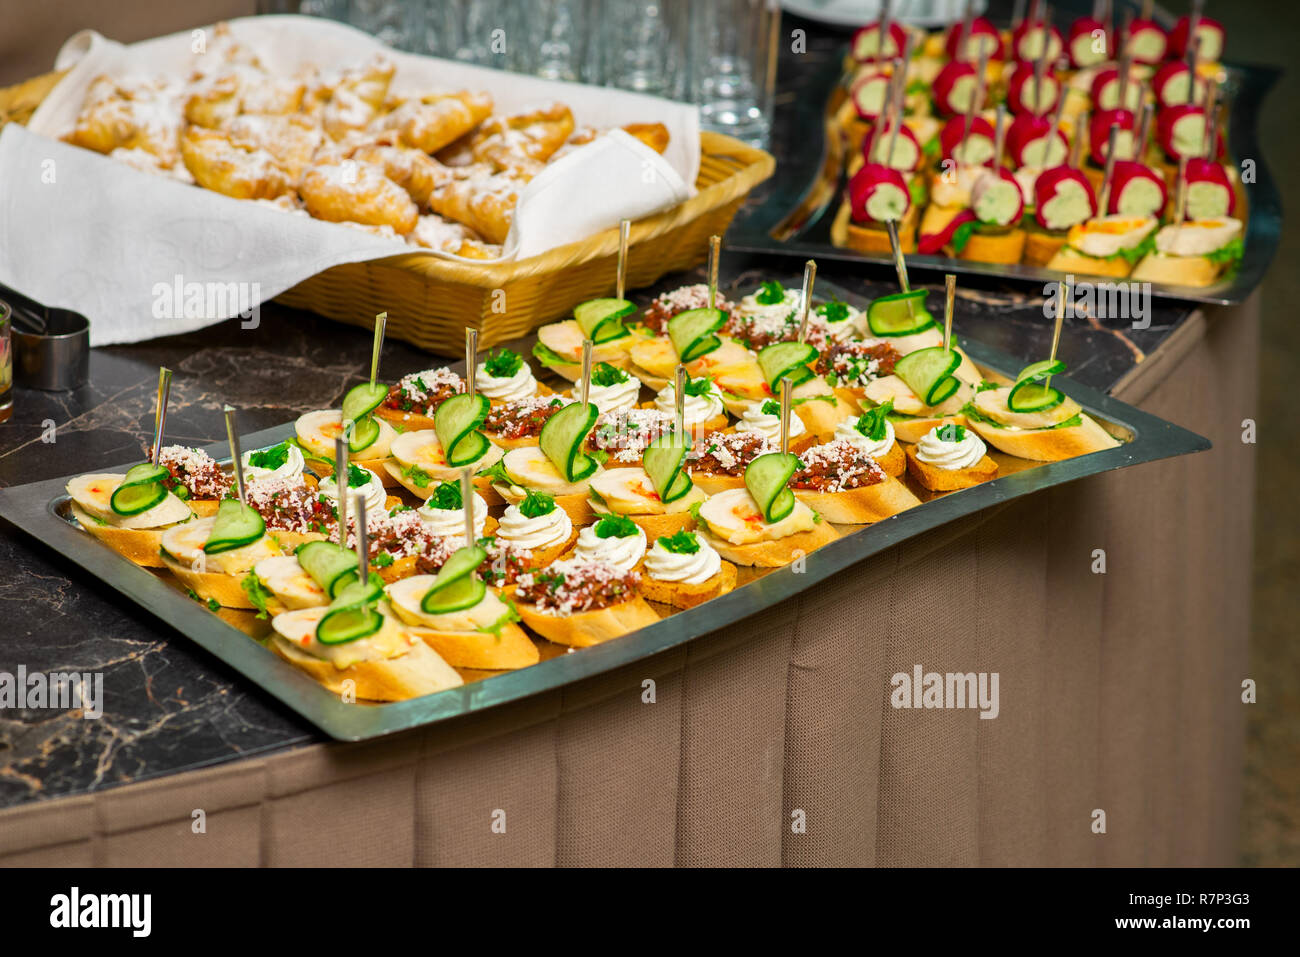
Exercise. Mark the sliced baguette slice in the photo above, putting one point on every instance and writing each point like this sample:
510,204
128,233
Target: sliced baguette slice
711,483
585,628
776,553
1003,248
654,526
1178,270
564,338
225,590
682,595
140,545
405,421
1041,246
288,541
950,480
912,429
860,506
1047,445
392,473
324,469
893,462
417,673
1071,260
482,650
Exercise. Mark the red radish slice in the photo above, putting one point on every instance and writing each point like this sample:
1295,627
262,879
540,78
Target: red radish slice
1020,92
1029,137
866,43
1063,197
1172,84
1210,194
996,198
868,93
1099,135
983,35
1065,202
1136,190
1209,30
978,150
1088,43
1180,130
1146,42
931,243
907,148
878,194
953,88
1105,91
1027,41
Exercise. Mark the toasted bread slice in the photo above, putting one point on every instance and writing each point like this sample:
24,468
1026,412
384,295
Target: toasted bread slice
1070,260
871,239
140,545
324,469
225,590
1048,445
776,553
682,595
860,506
912,429
1005,248
950,480
406,421
1178,270
585,628
711,483
893,462
417,673
393,470
510,649
1041,246
654,526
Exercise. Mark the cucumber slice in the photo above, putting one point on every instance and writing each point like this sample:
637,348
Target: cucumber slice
354,593
455,423
663,459
692,332
1035,371
782,359
237,525
929,373
902,314
562,437
363,399
1030,395
141,489
348,623
602,319
365,432
330,565
766,479
457,585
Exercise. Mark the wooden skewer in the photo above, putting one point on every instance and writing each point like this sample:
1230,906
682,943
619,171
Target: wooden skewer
900,265
967,27
999,135
341,487
1076,144
1193,58
363,543
471,360
160,411
679,401
585,385
1211,126
1104,198
886,19
624,232
467,501
981,66
1180,193
1062,290
1144,131
894,113
1125,67
805,298
1040,65
236,460
949,302
715,252
785,414
381,323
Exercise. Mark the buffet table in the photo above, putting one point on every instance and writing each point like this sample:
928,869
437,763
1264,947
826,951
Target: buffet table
771,741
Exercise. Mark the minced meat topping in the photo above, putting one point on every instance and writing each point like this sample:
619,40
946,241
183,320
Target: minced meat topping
194,471
728,453
423,392
524,418
836,467
858,362
563,588
669,304
625,435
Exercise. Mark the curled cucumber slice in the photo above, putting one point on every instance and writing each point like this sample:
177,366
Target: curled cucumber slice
457,585
929,373
663,460
363,399
456,422
141,489
1031,393
562,437
363,434
766,478
330,566
782,359
902,314
693,332
348,623
236,525
602,319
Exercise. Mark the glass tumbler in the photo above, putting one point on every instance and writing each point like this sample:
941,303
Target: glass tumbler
6,364
641,45
733,66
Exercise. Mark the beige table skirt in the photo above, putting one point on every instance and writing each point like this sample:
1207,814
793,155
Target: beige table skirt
774,741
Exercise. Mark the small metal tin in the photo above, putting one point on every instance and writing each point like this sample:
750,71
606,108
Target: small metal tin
59,359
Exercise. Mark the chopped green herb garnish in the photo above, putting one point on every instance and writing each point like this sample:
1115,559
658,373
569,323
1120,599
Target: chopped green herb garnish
419,476
606,375
771,293
271,458
446,496
834,311
701,386
503,363
357,476
382,560
951,432
770,407
214,605
872,423
682,543
536,504
616,526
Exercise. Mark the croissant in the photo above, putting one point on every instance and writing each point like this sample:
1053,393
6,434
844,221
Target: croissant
413,170
522,143
357,97
240,171
355,192
435,120
127,116
482,200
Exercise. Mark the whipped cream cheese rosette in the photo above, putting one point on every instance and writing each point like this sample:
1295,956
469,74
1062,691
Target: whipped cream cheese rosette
504,376
614,540
359,480
443,512
283,461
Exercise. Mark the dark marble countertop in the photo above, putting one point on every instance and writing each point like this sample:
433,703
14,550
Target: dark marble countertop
168,706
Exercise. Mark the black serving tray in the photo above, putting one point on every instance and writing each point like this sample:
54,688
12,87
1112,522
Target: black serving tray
41,510
795,218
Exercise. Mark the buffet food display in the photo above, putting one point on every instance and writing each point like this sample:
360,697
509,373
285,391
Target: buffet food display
490,520
1095,151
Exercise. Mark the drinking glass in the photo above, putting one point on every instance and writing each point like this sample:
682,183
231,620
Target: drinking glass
6,365
641,45
733,57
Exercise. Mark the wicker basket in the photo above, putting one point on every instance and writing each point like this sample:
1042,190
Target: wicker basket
430,301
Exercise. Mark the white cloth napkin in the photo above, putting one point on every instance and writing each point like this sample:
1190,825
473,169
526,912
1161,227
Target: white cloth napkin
144,256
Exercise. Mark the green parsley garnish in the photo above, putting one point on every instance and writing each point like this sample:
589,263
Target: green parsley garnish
834,311
872,422
770,407
357,476
771,293
536,504
616,526
682,543
951,432
701,386
382,560
271,458
446,496
419,476
606,375
503,363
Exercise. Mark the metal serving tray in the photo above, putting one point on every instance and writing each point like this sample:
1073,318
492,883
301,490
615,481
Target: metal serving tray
41,510
795,219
